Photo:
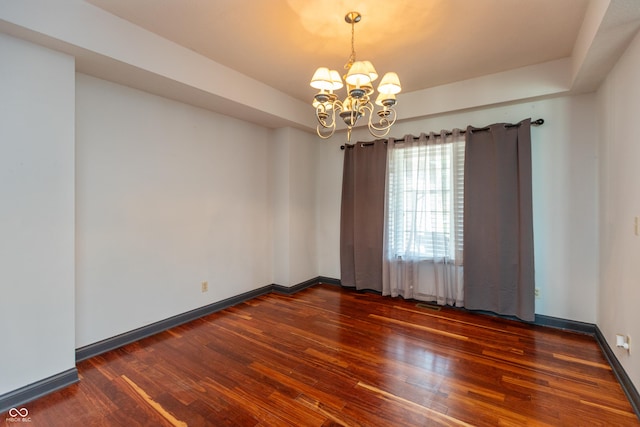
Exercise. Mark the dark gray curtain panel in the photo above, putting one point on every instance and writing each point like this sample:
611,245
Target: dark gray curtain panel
498,221
362,215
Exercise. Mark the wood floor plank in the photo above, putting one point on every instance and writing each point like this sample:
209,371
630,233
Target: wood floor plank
332,357
164,413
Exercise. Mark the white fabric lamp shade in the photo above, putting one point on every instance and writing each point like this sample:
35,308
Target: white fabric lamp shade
322,79
390,84
373,74
336,80
358,74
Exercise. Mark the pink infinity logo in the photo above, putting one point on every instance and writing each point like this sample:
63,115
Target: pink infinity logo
22,412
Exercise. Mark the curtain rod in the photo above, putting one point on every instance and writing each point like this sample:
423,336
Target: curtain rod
437,135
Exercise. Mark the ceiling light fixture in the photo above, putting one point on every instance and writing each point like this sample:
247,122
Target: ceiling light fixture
359,78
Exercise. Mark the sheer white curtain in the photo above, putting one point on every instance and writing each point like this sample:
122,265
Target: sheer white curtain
424,217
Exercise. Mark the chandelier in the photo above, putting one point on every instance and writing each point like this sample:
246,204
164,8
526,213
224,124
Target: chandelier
359,80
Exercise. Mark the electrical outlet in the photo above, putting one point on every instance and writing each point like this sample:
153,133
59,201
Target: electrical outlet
623,341
627,346
204,286
537,292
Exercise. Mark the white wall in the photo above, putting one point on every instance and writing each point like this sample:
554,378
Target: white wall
619,108
294,200
329,162
36,213
167,196
564,192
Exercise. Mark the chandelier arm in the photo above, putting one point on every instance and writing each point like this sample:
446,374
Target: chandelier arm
322,116
384,125
323,124
387,121
366,106
379,133
326,135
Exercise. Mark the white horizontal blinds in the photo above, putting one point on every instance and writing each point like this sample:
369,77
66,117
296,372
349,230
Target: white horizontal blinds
424,195
436,208
397,175
457,160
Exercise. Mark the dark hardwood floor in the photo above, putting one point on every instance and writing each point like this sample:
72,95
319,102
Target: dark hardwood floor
329,357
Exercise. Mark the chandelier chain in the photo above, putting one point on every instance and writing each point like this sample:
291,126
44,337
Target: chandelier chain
352,58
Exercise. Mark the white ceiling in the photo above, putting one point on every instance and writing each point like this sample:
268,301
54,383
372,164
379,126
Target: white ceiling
253,59
427,42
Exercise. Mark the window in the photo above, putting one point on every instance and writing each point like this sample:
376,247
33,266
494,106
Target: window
425,198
